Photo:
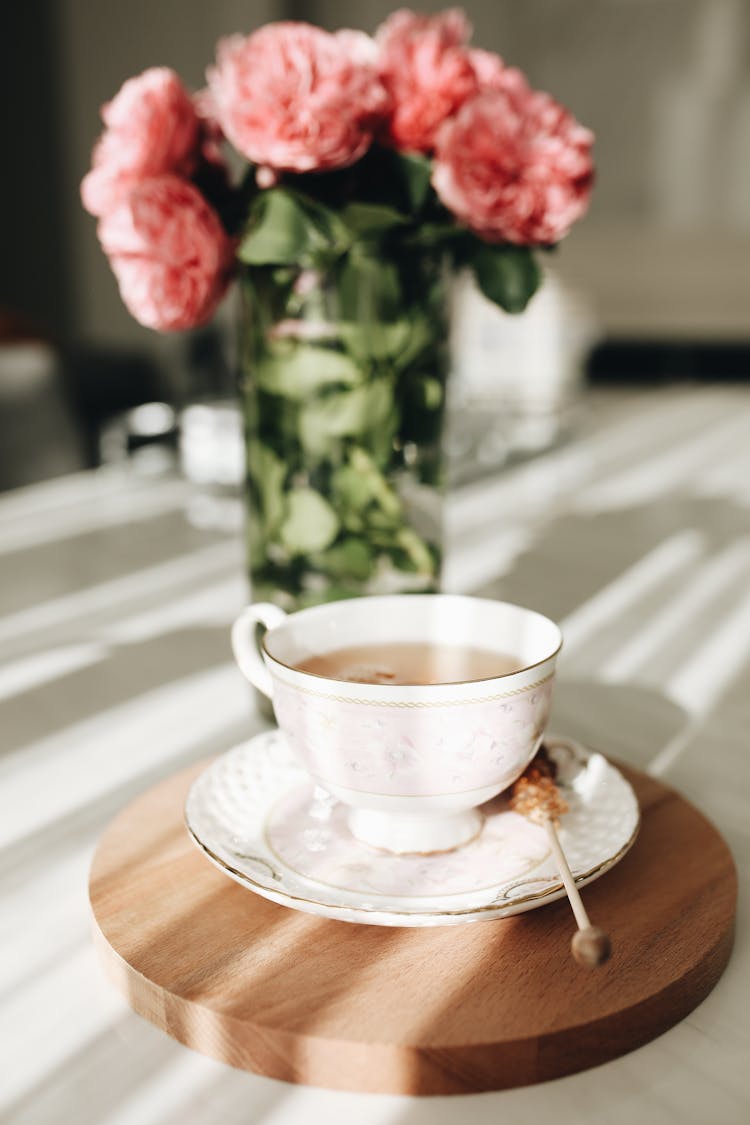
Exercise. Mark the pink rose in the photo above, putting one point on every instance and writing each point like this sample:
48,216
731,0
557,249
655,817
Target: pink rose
427,69
169,253
151,128
492,73
294,98
515,168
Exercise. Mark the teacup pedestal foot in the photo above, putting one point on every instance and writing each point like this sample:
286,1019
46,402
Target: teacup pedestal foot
395,832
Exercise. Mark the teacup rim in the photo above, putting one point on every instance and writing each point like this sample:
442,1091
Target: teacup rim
414,686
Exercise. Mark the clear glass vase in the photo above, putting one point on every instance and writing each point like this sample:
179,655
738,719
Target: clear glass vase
343,383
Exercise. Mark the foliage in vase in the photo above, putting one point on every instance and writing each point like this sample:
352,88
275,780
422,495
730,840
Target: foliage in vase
372,167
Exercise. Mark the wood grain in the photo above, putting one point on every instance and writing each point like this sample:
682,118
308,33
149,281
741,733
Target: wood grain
450,1010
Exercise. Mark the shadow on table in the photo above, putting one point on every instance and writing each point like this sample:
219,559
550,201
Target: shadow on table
126,672
627,721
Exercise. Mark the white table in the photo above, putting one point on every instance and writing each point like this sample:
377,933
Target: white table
115,671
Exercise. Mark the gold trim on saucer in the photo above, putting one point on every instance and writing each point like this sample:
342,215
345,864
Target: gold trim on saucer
491,907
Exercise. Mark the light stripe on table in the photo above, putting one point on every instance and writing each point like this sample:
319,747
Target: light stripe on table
700,680
129,1038
674,467
80,488
45,898
61,773
517,501
689,601
666,560
44,667
729,477
602,457
143,504
51,1018
469,564
114,592
174,1088
218,604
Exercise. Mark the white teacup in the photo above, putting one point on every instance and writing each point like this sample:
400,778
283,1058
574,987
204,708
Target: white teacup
412,762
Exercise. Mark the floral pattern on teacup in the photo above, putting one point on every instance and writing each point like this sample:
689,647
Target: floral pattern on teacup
413,751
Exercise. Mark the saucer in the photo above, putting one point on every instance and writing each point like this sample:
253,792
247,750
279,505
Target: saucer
259,818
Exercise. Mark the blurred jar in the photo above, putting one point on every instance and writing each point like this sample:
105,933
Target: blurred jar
516,380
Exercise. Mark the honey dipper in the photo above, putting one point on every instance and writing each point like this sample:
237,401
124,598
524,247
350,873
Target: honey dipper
536,796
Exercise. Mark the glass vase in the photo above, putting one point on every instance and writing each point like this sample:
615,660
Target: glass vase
343,383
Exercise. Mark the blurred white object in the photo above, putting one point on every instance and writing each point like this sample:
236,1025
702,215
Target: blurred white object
144,436
212,446
515,377
212,456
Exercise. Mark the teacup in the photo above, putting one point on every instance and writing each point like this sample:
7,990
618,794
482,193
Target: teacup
413,762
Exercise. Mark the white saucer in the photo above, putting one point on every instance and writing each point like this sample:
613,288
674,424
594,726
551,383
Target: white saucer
258,817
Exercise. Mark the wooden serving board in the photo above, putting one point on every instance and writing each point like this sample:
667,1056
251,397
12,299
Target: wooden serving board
457,1009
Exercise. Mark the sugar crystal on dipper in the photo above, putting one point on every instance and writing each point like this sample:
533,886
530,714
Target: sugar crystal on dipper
535,794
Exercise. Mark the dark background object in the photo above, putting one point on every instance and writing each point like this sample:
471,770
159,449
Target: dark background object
667,361
36,262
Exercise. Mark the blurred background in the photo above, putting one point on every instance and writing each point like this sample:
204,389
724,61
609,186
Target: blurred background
654,285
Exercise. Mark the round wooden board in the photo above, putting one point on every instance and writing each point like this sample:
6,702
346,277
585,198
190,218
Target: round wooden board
447,1010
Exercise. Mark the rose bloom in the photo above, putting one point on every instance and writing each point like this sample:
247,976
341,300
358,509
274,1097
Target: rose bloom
515,168
492,73
292,97
151,127
169,252
427,69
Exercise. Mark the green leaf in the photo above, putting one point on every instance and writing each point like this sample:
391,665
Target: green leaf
256,542
421,337
507,275
298,371
416,549
278,231
398,342
268,472
286,228
429,236
333,233
431,391
371,219
369,288
409,173
371,342
352,491
364,497
352,558
381,438
344,414
311,523
379,489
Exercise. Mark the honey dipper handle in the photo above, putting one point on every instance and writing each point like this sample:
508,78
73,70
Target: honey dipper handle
590,945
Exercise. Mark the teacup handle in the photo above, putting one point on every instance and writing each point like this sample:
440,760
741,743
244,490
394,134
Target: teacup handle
245,645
